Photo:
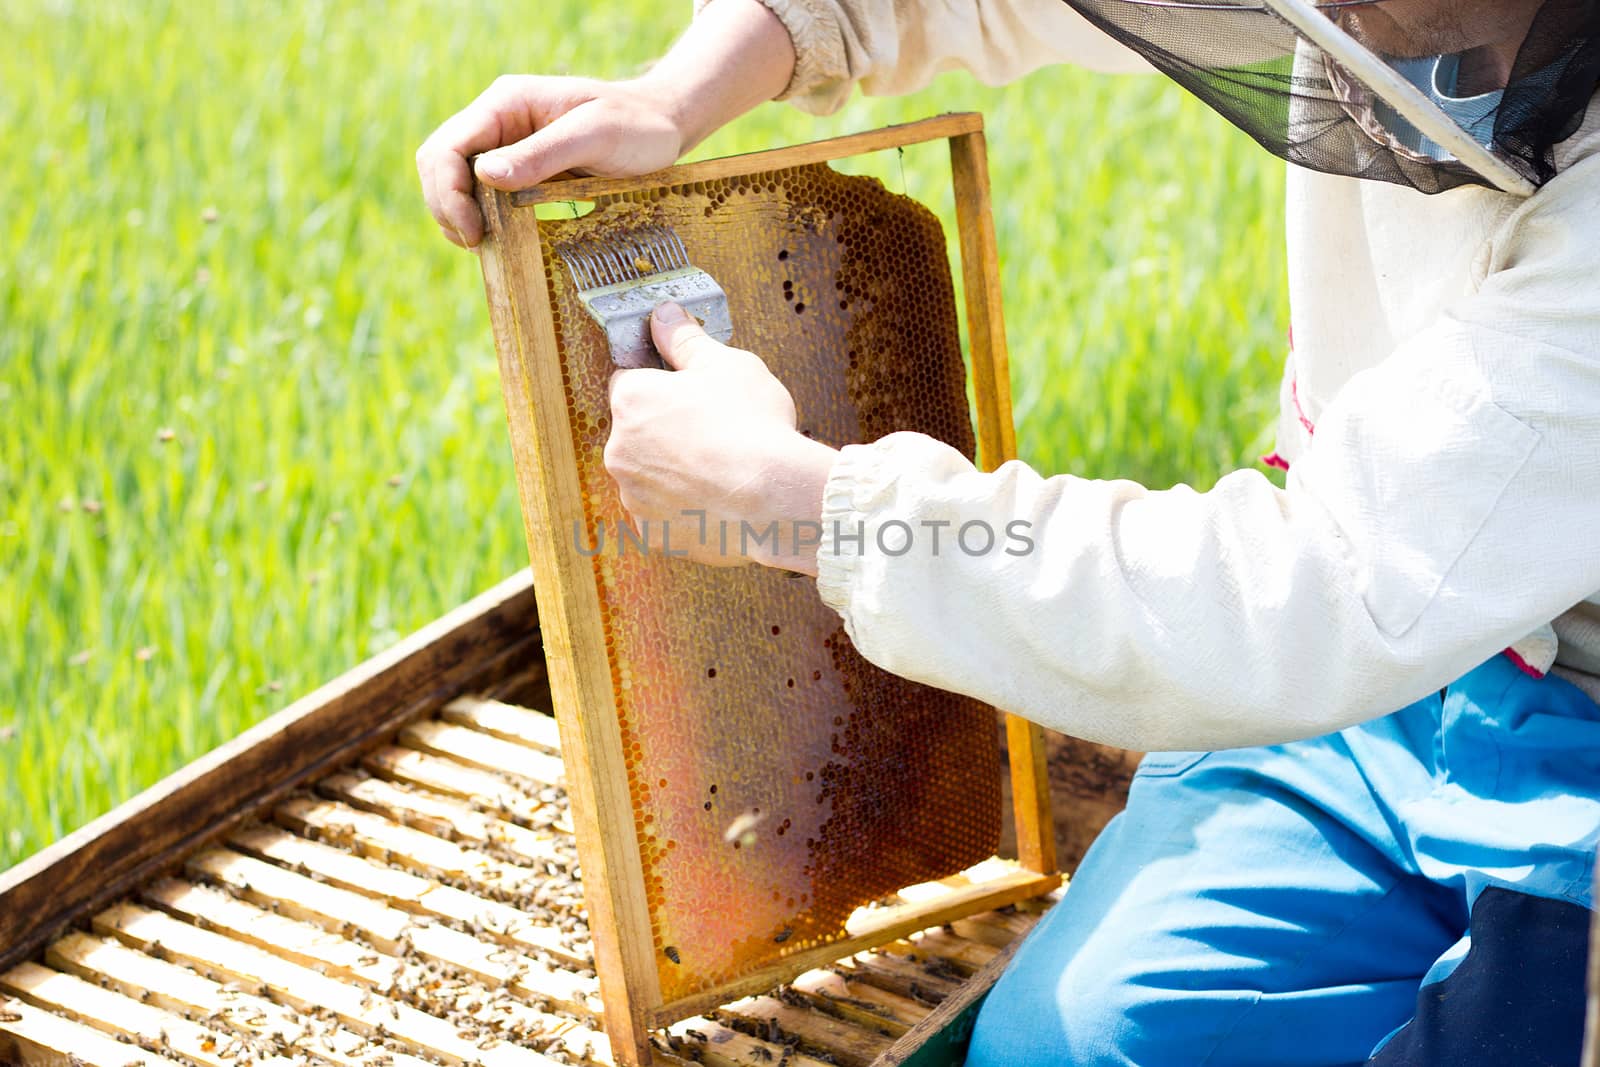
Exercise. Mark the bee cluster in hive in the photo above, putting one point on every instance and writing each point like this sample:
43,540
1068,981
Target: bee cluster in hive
779,781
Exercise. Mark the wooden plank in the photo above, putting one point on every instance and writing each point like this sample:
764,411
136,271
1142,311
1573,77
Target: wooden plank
1030,794
454,779
170,987
178,989
580,1044
113,1013
897,974
994,928
382,839
508,1016
409,892
855,144
302,898
391,930
980,275
303,988
845,1042
942,1038
859,1014
485,751
970,955
997,443
405,804
715,1045
935,963
580,674
30,1035
445,818
505,721
867,929
298,941
103,860
847,995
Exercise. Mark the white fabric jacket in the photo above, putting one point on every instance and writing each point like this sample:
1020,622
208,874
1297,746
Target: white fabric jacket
1440,416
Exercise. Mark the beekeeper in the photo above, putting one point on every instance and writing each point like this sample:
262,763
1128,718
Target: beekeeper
1303,874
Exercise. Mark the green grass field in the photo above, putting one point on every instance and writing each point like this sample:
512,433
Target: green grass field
250,427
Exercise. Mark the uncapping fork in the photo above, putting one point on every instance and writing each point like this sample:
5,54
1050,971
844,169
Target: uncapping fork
625,276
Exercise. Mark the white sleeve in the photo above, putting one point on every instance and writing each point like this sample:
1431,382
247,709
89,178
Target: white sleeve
1448,505
891,47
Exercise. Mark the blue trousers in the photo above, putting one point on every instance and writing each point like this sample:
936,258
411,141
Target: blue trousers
1414,890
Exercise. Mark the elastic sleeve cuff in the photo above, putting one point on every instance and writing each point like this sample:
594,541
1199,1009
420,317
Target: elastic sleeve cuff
858,484
821,80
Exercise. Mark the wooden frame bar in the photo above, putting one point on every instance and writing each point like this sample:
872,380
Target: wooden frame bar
997,444
579,671
854,144
580,674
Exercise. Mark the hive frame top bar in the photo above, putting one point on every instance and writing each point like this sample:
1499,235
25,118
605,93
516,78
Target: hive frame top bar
938,128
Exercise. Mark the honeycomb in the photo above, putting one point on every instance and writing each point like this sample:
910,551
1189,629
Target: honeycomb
779,780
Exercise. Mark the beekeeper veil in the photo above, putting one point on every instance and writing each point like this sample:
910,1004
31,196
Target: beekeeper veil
1427,93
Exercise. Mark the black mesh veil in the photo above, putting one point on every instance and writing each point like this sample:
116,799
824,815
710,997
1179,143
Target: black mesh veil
1381,89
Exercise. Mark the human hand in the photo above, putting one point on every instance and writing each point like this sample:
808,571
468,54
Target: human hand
710,452
531,128
735,54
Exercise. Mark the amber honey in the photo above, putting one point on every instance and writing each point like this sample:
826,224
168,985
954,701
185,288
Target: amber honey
779,781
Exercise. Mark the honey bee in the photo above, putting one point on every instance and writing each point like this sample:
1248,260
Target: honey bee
672,954
742,830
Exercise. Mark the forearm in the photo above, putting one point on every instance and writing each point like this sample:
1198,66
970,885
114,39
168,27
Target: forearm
734,55
1443,513
1147,620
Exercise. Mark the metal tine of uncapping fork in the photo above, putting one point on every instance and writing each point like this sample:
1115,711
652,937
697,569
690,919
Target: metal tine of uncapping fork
623,277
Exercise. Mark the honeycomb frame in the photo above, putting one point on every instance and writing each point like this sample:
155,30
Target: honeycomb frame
553,378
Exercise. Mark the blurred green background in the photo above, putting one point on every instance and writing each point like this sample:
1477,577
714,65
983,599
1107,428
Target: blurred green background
250,427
